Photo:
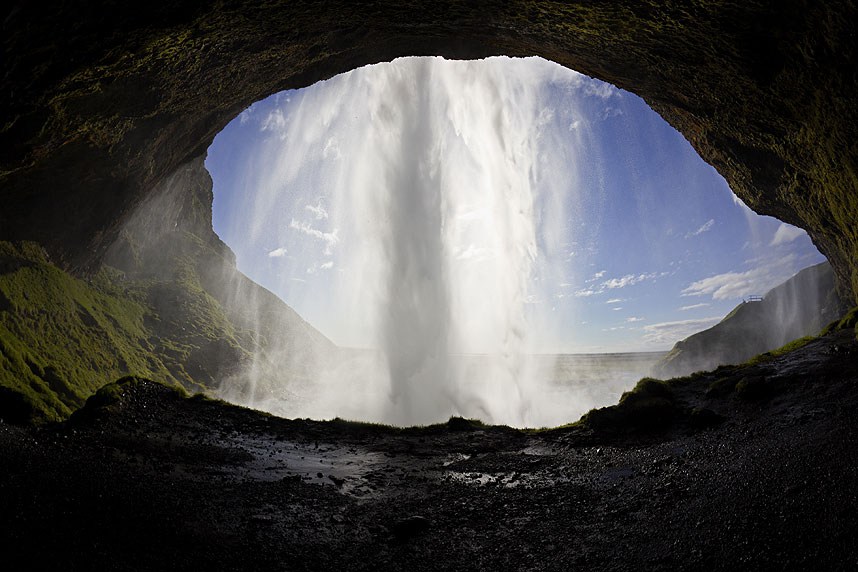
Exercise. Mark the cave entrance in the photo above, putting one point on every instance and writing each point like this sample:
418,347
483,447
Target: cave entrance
454,226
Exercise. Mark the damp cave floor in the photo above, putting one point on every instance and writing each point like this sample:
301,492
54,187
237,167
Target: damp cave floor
161,482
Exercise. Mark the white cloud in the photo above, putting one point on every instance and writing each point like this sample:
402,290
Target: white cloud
634,319
277,253
596,276
694,306
245,115
297,279
628,280
614,283
786,233
731,285
275,121
600,89
668,333
611,111
330,238
318,210
324,266
617,308
705,227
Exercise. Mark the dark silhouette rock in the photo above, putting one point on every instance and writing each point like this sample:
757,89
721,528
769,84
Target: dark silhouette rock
407,528
102,102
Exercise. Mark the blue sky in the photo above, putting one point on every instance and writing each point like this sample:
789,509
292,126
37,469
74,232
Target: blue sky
628,241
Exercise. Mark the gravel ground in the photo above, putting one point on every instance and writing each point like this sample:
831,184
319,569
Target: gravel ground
159,482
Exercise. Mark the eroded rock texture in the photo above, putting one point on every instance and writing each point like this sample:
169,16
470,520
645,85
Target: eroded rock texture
101,100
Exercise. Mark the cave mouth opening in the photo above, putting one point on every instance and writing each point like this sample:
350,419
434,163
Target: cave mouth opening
502,239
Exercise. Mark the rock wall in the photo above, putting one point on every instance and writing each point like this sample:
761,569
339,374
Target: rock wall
100,100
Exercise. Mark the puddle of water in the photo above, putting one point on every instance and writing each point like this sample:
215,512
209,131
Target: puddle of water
322,464
456,458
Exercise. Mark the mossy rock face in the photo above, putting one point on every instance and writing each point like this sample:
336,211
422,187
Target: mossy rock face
722,386
755,388
171,306
648,387
462,424
15,407
114,394
649,406
100,105
702,418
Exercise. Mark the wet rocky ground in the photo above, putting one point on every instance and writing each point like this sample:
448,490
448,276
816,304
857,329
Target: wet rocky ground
752,468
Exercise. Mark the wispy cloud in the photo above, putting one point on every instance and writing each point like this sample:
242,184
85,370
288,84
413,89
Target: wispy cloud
611,111
245,115
666,333
731,285
600,89
324,266
786,233
614,284
705,227
277,253
330,238
596,276
627,280
694,306
274,121
634,319
318,210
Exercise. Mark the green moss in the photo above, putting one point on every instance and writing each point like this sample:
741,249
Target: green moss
722,386
754,388
785,349
849,321
648,406
647,387
62,338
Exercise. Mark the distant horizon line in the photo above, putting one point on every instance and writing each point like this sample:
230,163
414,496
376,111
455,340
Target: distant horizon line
535,354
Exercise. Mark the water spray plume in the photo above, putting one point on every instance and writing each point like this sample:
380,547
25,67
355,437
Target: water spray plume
434,197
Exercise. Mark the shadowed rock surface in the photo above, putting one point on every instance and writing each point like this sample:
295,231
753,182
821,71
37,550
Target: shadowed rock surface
799,307
101,101
168,304
145,479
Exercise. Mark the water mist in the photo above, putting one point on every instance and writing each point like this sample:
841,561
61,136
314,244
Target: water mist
434,197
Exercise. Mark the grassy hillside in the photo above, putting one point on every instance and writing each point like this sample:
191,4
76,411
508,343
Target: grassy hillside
169,305
799,307
61,338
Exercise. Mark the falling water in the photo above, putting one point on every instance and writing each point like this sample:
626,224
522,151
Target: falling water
453,225
429,194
